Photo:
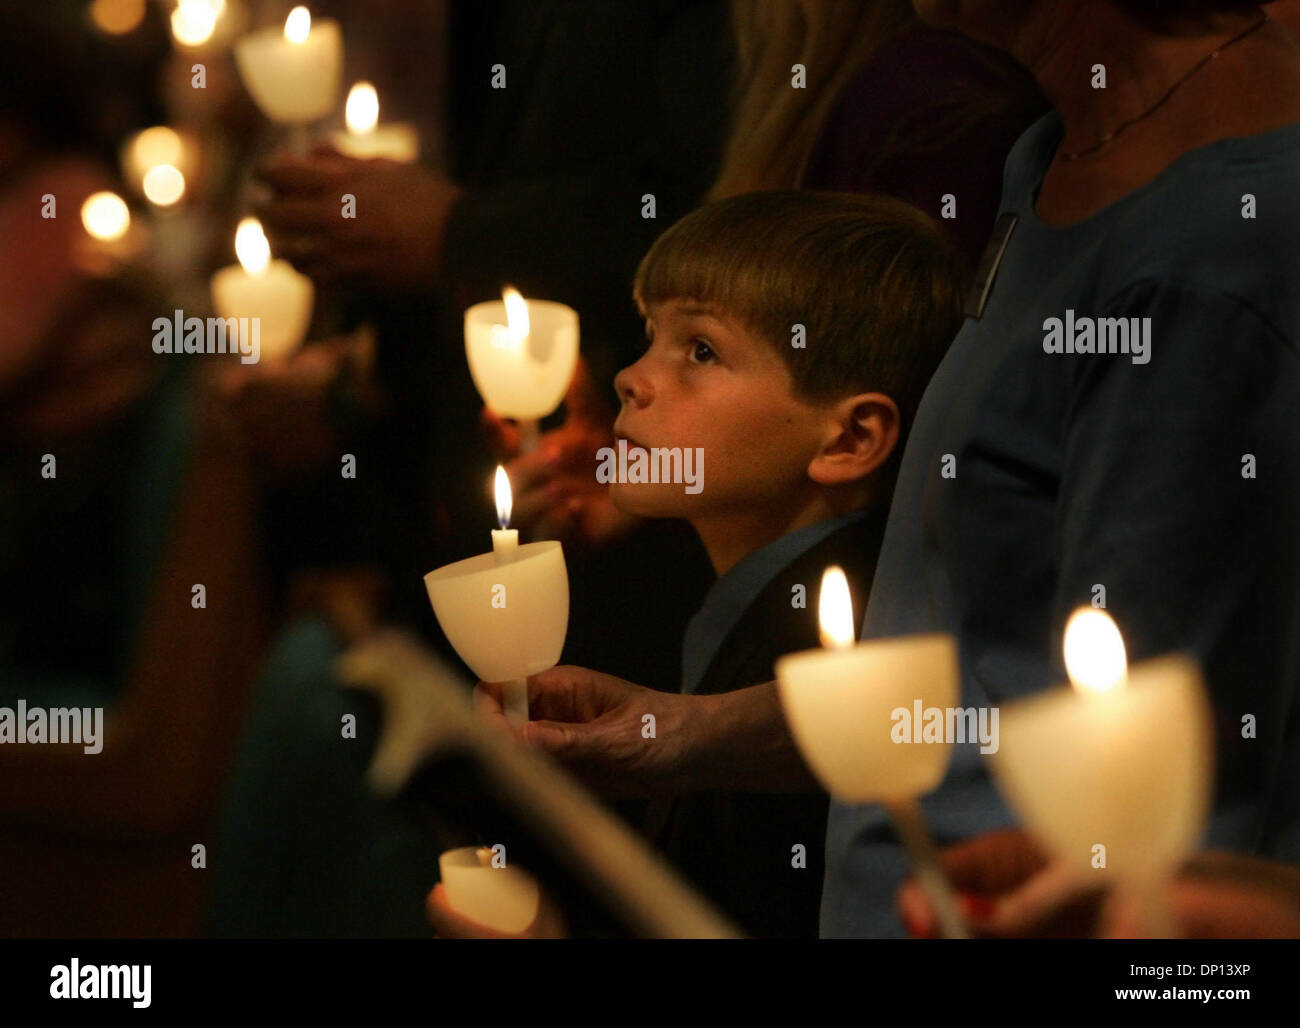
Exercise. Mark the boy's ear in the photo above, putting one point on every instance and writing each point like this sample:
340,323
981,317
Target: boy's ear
861,433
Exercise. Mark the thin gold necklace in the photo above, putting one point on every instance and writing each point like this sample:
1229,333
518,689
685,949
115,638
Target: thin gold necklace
1074,155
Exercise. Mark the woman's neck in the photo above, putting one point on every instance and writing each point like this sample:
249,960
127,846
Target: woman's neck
1253,86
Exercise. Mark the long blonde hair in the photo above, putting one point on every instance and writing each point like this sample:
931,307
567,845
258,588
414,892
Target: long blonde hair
775,127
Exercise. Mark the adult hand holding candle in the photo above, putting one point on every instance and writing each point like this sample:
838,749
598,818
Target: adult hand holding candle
293,74
505,612
264,289
522,354
1114,774
366,138
842,706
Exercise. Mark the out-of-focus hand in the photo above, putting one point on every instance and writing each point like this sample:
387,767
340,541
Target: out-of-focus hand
395,241
283,405
556,495
448,923
1008,888
1218,896
595,725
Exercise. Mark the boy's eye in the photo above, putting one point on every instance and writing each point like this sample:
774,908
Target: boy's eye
702,352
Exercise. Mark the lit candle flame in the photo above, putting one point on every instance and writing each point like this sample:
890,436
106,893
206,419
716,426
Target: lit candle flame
157,145
251,246
163,184
504,498
297,27
516,314
105,216
362,108
1094,652
835,610
194,21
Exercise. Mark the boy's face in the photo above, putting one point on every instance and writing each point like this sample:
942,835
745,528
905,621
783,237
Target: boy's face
706,381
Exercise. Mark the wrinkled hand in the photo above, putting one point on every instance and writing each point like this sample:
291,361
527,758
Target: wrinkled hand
450,924
1008,888
595,725
393,243
556,495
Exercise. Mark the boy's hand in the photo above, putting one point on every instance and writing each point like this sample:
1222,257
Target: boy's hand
1008,888
623,740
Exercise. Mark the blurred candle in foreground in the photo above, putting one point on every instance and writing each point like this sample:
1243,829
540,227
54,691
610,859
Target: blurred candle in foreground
366,138
266,289
841,704
504,898
1114,773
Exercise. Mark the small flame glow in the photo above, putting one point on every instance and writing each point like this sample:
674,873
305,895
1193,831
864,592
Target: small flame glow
194,21
297,27
105,216
1094,651
835,609
157,145
362,108
516,314
504,498
251,247
163,185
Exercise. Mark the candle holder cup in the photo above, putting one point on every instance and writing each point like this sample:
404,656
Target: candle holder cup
506,620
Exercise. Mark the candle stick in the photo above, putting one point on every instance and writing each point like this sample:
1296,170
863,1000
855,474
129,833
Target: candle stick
366,138
840,702
522,354
1113,774
505,548
268,290
505,540
293,75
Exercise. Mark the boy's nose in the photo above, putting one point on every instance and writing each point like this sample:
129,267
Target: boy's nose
633,386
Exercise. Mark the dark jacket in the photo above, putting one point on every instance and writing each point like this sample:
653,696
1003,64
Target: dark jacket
738,847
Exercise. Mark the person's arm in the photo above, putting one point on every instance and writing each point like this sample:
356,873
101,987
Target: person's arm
624,740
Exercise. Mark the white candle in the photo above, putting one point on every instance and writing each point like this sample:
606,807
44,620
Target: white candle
840,700
1122,761
268,290
293,74
505,612
840,704
505,540
366,138
502,898
522,354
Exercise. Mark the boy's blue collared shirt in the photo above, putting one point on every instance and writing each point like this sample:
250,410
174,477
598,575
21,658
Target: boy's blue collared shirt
731,594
